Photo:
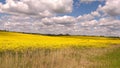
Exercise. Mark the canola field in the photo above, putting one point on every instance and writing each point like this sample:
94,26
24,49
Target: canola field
19,41
19,50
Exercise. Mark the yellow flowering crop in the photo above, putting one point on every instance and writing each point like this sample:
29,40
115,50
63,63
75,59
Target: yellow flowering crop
19,41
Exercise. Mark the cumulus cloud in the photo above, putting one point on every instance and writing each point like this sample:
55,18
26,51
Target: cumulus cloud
86,1
111,7
55,25
85,17
63,25
86,24
64,20
88,17
89,1
105,26
36,7
96,13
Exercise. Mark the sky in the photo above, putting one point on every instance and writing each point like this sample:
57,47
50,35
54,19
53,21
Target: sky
74,17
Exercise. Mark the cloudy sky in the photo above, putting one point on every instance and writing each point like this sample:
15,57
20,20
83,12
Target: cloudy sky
75,17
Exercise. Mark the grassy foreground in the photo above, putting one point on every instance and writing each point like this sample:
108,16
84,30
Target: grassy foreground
19,50
62,58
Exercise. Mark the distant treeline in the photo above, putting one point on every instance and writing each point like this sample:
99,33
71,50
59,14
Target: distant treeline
4,31
48,34
59,34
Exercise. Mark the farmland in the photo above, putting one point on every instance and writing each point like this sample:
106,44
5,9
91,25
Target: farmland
19,41
43,51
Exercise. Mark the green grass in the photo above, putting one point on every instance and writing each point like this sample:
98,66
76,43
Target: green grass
110,59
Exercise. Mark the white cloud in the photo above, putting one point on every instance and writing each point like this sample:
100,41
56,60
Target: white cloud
89,23
64,20
62,25
105,26
55,25
90,1
96,13
86,1
37,7
111,7
85,17
49,24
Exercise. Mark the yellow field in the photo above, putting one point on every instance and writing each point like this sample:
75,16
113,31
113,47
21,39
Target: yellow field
19,41
18,50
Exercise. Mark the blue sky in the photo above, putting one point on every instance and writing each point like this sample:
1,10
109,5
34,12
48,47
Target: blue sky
75,17
2,1
85,8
